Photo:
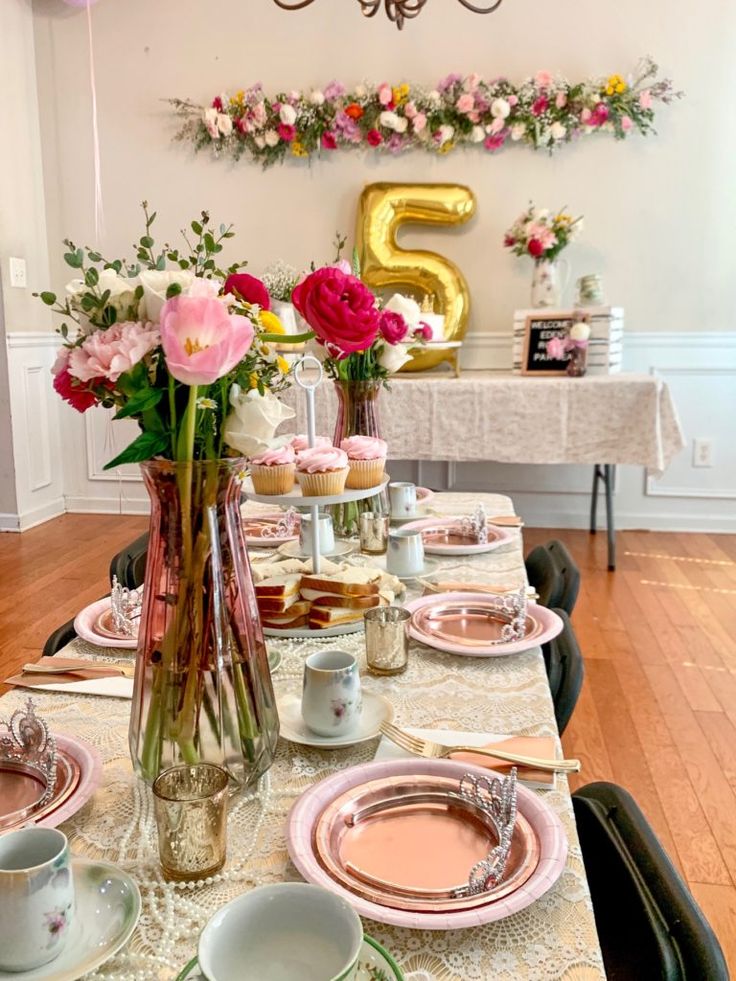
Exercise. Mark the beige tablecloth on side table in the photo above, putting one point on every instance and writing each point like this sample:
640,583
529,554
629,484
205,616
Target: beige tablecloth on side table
554,938
490,415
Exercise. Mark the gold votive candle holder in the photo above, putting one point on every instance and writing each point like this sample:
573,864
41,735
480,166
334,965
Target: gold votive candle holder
387,639
190,804
373,530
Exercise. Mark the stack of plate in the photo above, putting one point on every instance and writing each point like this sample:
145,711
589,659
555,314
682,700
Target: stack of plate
398,841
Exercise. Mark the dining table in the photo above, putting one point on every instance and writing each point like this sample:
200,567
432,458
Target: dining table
555,937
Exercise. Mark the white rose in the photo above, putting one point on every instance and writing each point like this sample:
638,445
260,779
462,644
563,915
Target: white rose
287,114
224,123
517,131
477,134
253,420
260,142
392,357
155,283
361,91
580,331
434,97
271,137
317,98
393,121
209,118
407,307
500,108
558,131
446,133
122,296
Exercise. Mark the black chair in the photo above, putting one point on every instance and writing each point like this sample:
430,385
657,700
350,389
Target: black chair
130,564
59,638
565,671
552,572
648,923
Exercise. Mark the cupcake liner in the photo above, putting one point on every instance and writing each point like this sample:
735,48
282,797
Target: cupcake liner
323,484
272,480
365,473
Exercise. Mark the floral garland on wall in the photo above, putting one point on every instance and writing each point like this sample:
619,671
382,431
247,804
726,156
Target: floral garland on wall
543,112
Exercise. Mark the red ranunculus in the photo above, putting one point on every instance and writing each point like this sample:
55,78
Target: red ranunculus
535,248
339,309
373,137
328,141
354,111
600,114
76,393
393,327
286,132
248,288
540,105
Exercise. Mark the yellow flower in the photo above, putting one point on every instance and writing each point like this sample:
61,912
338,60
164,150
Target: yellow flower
298,149
564,219
615,85
400,94
238,99
621,88
447,146
270,322
609,90
253,379
283,365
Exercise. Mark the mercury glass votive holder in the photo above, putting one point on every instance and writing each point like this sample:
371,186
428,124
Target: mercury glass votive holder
190,804
387,639
373,530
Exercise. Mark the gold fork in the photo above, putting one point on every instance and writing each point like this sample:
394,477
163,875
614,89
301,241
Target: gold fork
430,750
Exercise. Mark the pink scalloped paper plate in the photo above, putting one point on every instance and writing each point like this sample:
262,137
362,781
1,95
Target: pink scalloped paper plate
85,626
424,495
549,623
90,767
496,537
546,824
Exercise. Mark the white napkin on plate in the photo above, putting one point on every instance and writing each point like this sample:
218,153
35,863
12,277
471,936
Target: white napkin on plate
118,687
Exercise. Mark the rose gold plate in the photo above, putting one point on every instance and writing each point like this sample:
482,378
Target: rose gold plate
448,535
260,531
22,788
410,842
469,624
104,625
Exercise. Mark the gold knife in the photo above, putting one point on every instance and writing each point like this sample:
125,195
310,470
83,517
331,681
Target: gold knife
126,670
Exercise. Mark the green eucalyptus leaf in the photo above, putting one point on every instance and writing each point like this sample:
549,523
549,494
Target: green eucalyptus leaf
48,298
161,262
196,228
146,241
174,289
91,276
70,258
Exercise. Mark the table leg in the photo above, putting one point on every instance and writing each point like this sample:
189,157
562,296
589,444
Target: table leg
594,499
609,474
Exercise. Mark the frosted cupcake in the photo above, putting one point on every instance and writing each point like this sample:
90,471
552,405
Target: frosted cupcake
300,443
322,470
272,472
367,460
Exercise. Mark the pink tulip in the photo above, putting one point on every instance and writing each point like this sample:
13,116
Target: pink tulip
201,340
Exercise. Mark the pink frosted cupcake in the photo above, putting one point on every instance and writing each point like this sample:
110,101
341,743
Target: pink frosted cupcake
300,443
322,470
367,460
272,472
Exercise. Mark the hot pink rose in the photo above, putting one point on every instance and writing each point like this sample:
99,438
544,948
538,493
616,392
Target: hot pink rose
248,288
201,340
540,105
424,331
600,114
393,327
339,309
465,103
495,141
286,132
385,94
328,141
74,392
374,137
110,353
535,248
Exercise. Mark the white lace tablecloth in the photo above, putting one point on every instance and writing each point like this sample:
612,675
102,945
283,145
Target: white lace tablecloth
554,938
619,419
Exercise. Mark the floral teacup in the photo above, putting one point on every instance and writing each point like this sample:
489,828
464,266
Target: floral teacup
331,698
36,897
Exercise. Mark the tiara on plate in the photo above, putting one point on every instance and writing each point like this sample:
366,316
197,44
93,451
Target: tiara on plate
475,526
26,743
126,605
496,797
285,526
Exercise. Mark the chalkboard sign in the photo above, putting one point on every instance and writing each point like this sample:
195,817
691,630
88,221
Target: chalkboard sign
539,329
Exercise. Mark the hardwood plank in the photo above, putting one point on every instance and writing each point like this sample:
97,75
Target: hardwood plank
719,905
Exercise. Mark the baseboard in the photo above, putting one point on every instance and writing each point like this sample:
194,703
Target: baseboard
29,519
105,505
631,521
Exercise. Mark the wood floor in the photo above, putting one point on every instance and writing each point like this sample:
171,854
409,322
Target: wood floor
657,713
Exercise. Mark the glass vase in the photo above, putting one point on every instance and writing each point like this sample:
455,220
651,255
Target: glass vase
357,415
202,689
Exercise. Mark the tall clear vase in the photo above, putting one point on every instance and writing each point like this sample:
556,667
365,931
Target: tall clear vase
357,415
202,688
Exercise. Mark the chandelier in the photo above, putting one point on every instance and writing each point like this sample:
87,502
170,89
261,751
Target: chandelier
396,10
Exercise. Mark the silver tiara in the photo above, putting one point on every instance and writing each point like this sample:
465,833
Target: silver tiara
496,797
285,526
126,605
475,526
26,743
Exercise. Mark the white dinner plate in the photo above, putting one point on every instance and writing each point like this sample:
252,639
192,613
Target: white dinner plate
84,627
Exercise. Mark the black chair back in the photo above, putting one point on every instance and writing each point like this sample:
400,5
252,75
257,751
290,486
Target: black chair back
59,638
129,565
553,573
648,922
565,671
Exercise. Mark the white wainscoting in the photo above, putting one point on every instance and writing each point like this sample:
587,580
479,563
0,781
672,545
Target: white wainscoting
37,446
700,368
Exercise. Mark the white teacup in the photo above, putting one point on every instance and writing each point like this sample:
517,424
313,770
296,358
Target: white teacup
289,931
331,697
36,897
403,497
405,556
326,534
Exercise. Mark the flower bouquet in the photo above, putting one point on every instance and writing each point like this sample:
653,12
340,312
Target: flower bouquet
188,353
542,234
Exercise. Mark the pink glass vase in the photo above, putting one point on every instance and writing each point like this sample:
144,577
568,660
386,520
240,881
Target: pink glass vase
202,688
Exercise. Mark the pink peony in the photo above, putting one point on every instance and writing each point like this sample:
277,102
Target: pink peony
420,122
286,132
513,100
410,110
393,327
540,105
339,309
201,340
585,115
543,80
495,141
385,94
465,103
645,99
328,140
556,348
627,123
248,288
110,353
374,137
600,114
561,100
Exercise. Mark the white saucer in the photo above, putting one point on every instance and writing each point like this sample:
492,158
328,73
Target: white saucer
376,709
317,633
108,907
294,550
418,515
430,567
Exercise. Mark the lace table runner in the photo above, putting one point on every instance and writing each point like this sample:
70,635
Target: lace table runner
554,938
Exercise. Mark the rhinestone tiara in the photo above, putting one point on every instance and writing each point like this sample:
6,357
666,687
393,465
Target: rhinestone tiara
25,741
496,797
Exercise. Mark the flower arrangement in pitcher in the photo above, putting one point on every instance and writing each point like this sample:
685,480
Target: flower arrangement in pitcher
184,350
541,233
360,340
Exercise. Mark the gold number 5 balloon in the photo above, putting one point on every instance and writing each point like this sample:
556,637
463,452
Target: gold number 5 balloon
383,209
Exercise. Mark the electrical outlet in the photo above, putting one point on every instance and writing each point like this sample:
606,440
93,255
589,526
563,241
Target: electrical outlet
703,452
18,273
